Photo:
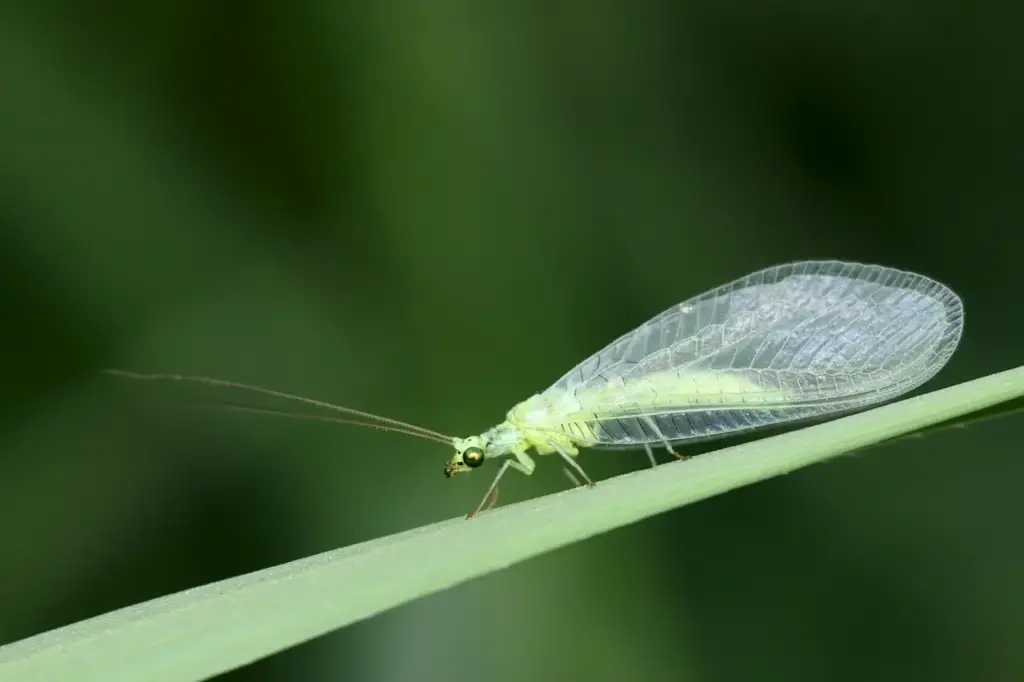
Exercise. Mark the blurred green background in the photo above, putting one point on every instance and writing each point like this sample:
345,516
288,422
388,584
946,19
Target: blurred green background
432,210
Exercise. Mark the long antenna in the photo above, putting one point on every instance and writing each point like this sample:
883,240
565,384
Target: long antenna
321,418
406,427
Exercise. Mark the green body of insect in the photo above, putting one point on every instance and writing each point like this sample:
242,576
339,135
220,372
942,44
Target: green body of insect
560,423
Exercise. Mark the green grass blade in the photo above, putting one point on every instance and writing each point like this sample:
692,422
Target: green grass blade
199,633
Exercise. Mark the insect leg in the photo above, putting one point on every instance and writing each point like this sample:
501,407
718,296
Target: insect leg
571,462
650,455
522,462
494,499
664,441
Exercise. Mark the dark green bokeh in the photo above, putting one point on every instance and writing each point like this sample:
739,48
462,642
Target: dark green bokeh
432,210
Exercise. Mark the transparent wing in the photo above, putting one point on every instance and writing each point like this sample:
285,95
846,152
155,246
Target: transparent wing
790,342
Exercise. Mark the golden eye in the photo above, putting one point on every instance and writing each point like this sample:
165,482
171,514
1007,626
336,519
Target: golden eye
473,457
